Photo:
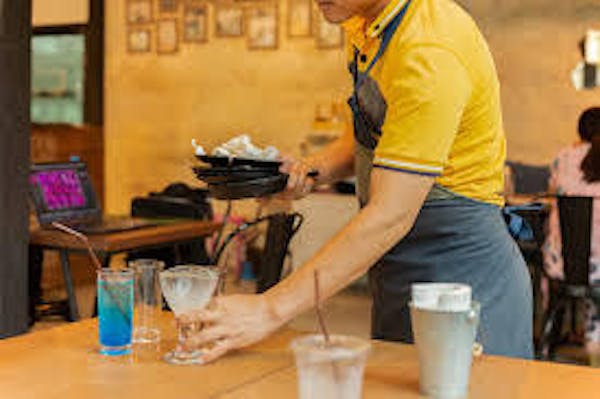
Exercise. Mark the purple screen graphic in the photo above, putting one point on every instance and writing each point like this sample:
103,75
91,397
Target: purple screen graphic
60,189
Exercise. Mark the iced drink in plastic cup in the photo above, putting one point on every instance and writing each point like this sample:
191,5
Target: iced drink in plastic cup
334,370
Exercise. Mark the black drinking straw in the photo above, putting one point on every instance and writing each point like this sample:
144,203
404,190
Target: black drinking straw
323,326
319,312
83,238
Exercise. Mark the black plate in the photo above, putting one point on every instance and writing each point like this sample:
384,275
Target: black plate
255,188
225,161
228,170
232,175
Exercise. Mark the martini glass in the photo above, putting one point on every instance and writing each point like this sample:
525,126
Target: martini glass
187,288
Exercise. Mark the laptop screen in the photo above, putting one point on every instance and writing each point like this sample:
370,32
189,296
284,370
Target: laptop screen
62,192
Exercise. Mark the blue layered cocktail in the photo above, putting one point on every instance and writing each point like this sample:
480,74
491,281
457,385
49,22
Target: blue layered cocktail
115,311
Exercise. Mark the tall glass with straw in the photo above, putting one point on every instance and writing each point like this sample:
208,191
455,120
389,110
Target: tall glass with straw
115,311
115,302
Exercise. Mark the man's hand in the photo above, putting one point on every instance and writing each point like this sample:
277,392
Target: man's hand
233,322
333,163
300,183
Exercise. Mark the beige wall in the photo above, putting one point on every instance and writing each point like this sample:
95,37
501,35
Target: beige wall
60,12
156,104
535,50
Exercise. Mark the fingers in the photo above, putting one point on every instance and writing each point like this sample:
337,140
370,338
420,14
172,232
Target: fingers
295,177
208,335
237,321
286,163
205,316
299,183
219,349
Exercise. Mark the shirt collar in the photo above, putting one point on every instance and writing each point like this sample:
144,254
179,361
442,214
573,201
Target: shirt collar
386,16
358,33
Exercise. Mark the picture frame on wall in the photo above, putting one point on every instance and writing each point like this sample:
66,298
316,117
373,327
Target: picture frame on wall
328,35
195,22
299,18
168,6
229,20
139,40
262,26
167,36
139,11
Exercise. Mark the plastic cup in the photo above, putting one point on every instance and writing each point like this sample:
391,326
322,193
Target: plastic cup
444,341
441,296
592,47
333,371
115,311
148,300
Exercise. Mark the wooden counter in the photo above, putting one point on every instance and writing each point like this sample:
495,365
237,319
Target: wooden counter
119,241
63,363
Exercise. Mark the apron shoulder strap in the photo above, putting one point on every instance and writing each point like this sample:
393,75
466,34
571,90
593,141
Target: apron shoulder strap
387,35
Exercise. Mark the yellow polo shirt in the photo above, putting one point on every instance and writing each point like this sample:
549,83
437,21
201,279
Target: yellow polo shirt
443,113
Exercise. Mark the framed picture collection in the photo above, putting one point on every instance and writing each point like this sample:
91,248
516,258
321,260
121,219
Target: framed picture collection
163,26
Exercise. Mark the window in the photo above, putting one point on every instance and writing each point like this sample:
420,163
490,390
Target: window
57,78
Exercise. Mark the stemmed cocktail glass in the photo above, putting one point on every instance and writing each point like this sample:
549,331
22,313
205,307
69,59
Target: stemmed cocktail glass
187,288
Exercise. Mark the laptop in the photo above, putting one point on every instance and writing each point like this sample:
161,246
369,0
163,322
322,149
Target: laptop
63,192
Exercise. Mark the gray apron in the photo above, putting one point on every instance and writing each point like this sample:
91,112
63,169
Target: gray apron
454,239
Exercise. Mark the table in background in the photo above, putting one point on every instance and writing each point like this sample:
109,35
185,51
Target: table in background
532,249
107,244
63,363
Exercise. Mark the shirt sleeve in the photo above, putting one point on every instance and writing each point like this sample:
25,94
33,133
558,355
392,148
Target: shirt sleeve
425,106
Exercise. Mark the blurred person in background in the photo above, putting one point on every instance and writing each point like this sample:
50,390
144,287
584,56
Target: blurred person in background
576,172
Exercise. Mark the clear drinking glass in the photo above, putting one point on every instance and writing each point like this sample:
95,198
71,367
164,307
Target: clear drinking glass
148,300
333,370
115,311
187,288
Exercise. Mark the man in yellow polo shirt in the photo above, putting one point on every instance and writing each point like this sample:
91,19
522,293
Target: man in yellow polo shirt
428,148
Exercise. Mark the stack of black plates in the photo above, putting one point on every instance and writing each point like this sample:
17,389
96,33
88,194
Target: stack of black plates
237,178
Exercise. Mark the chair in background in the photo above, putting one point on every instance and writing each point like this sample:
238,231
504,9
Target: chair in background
176,201
281,229
524,180
575,215
528,229
529,179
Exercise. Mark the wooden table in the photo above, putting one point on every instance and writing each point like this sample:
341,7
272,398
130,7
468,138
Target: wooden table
525,199
108,244
63,363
